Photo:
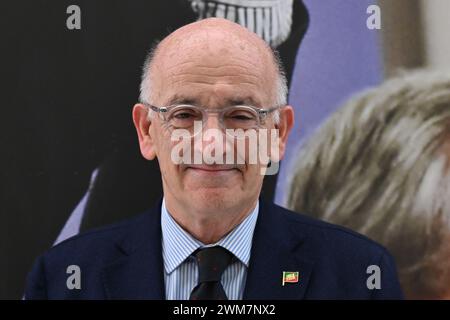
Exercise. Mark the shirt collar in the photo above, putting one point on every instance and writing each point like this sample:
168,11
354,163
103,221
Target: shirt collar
178,244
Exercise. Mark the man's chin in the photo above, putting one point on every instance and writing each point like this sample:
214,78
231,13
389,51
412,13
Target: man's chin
212,178
213,197
207,183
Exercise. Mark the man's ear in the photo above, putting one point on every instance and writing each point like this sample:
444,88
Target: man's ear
143,125
284,128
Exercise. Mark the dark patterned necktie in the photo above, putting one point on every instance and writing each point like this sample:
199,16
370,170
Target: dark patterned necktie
212,262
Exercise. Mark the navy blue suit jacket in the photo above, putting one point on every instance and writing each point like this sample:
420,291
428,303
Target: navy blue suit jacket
125,261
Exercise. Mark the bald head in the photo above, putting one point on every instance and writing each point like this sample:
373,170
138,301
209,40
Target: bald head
215,36
217,53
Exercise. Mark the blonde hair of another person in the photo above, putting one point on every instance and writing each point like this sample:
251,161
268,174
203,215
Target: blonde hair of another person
380,165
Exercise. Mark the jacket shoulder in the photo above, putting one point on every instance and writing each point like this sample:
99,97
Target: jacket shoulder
96,243
343,259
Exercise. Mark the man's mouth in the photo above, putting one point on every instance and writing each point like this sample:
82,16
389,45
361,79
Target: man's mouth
212,168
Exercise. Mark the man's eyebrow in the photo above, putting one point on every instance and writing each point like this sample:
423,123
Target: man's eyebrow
181,100
243,101
235,101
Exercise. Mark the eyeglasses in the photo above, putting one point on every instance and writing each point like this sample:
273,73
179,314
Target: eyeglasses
184,116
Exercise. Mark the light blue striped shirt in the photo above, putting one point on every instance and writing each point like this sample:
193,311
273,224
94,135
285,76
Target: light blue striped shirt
180,268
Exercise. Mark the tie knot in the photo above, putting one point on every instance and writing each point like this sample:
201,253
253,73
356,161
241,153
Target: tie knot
212,262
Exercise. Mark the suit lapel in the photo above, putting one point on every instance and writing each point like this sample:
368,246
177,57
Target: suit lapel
137,273
275,249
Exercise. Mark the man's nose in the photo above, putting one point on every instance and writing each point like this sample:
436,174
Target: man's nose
212,131
213,141
212,121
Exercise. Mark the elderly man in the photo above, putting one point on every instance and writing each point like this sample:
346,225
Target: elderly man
210,237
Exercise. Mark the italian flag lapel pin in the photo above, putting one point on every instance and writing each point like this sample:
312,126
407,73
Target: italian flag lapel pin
290,277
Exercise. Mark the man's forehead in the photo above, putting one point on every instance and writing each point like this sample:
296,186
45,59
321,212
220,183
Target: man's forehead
211,51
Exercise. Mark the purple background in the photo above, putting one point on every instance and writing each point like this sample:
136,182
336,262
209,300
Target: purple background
338,57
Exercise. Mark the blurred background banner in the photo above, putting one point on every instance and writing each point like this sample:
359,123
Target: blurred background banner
69,155
340,56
